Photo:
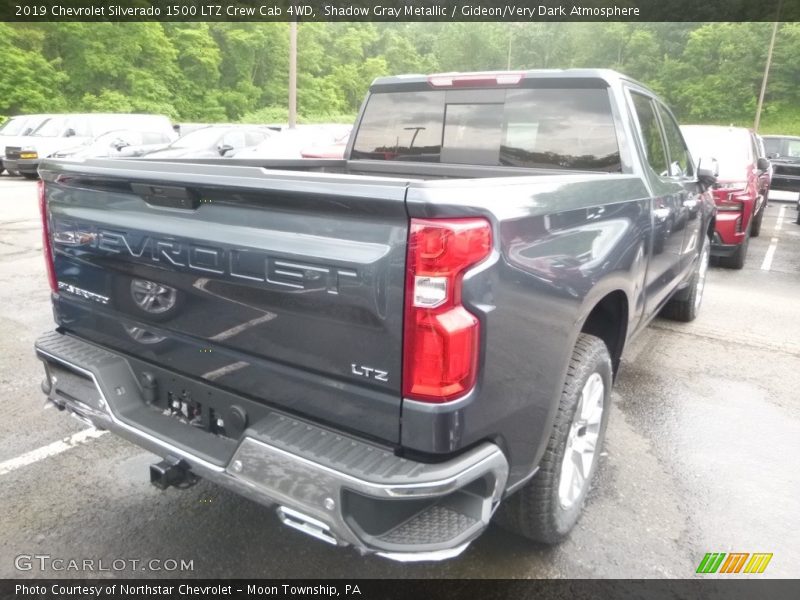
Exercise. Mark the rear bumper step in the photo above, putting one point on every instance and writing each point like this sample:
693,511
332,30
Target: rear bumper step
332,486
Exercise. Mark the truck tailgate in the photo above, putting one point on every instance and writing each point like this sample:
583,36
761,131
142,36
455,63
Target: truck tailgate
284,287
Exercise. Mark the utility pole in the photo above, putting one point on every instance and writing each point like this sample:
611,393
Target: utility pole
513,28
292,74
510,34
766,68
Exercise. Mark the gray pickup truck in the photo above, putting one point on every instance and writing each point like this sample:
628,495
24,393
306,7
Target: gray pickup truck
395,347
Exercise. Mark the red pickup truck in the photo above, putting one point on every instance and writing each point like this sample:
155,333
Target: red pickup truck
740,193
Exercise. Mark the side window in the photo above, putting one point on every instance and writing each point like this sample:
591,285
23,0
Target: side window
80,125
679,163
155,137
254,138
133,138
235,139
651,133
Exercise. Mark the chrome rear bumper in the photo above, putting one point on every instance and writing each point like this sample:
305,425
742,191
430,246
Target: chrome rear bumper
332,486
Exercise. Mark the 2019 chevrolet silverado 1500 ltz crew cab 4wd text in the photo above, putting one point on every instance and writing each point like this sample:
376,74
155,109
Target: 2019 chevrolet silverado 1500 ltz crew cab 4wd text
393,347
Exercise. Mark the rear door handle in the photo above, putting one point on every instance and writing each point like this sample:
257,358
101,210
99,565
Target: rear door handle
169,196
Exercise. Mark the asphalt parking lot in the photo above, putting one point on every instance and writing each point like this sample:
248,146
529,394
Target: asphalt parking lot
701,453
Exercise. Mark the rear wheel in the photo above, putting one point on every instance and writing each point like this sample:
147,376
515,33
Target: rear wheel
549,505
30,175
686,306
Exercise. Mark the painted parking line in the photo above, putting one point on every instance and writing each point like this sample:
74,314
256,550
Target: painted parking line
53,449
766,265
779,222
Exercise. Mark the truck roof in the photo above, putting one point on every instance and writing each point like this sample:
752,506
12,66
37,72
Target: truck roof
484,78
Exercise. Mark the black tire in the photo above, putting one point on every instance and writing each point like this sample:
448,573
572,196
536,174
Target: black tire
755,225
738,258
535,511
685,306
797,220
30,175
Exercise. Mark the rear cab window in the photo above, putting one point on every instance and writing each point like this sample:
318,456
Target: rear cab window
732,147
772,145
551,128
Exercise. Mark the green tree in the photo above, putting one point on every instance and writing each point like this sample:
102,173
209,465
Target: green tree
472,47
722,68
229,71
133,59
253,56
403,54
197,86
29,83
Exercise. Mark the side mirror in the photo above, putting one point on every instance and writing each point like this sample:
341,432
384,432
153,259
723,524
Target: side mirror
119,144
773,155
707,171
69,133
224,149
762,164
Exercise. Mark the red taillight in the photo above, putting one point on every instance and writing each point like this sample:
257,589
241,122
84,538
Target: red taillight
441,338
46,247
